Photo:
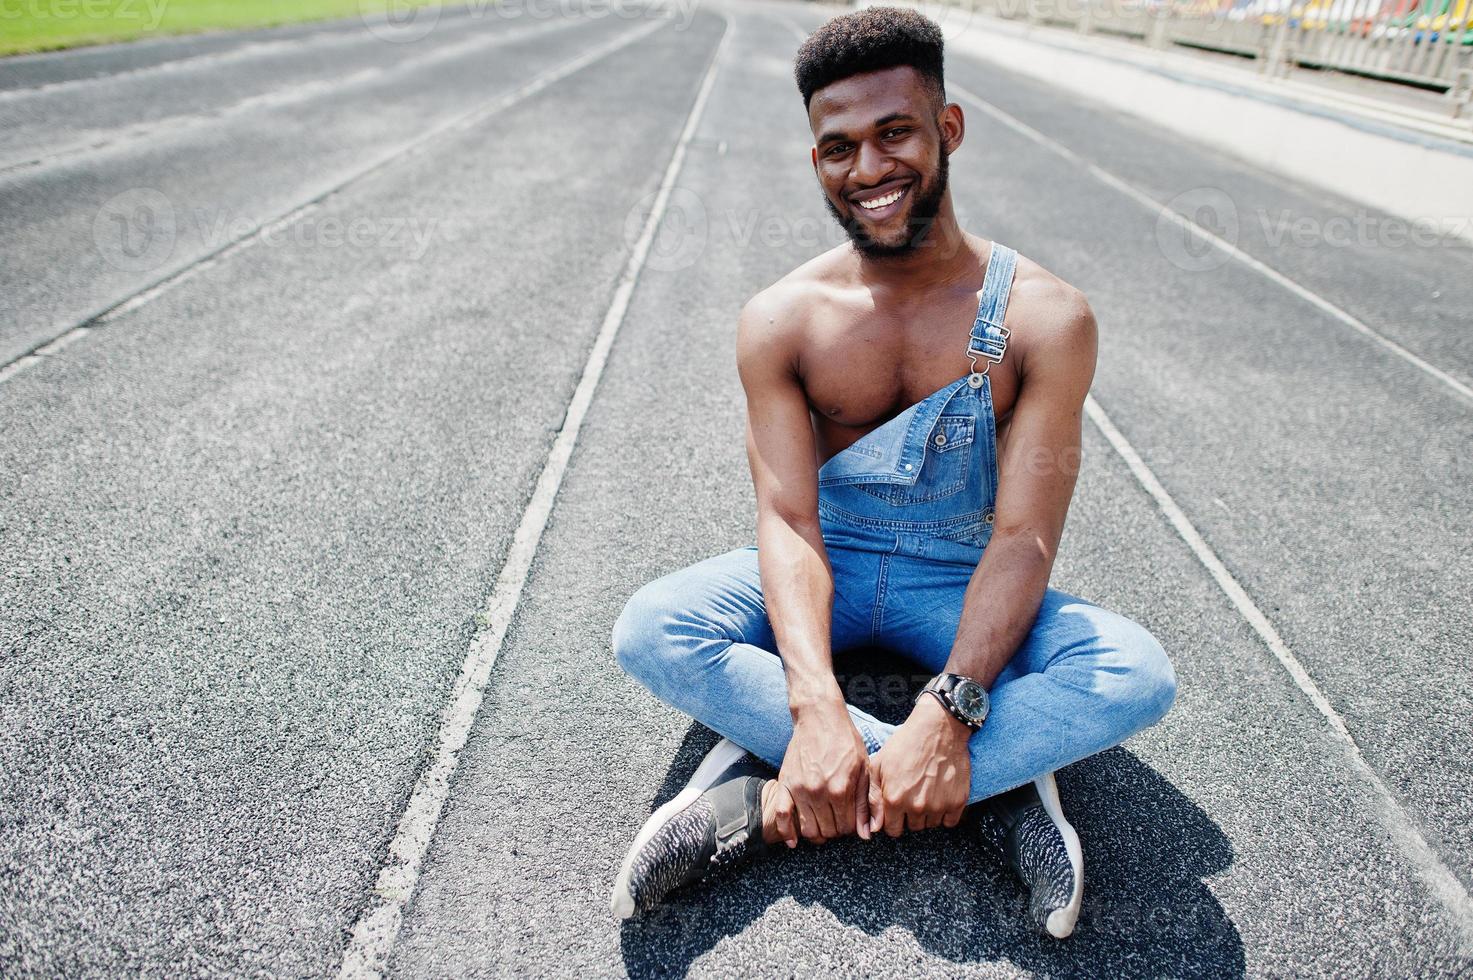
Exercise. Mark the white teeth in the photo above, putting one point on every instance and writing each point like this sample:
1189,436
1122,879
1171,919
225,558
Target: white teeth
881,202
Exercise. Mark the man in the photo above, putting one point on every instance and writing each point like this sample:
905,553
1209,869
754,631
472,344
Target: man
914,402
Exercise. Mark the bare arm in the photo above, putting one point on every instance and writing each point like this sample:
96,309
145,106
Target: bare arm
1036,475
922,776
797,580
825,768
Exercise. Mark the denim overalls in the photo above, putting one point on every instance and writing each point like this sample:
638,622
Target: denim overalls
906,512
924,484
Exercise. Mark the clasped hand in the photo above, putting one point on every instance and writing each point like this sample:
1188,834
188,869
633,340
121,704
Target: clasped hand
829,785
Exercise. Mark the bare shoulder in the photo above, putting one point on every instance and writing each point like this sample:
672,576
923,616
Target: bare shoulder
1056,328
774,323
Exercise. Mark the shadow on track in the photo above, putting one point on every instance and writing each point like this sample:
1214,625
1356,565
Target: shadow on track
1147,848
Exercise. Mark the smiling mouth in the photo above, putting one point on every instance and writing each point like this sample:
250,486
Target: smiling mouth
883,204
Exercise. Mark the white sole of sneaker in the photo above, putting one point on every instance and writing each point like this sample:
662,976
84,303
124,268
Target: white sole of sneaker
718,760
1061,922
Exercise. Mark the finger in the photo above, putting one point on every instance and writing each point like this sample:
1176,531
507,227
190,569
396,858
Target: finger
933,820
894,819
844,816
915,821
825,814
953,818
861,805
876,797
808,823
787,824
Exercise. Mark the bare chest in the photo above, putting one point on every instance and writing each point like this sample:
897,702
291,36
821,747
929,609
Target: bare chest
861,370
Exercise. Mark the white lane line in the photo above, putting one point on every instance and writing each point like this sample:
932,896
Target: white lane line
1462,391
291,94
467,120
245,52
377,928
301,44
1445,886
1443,883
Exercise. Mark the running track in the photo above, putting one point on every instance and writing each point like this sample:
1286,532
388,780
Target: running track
350,374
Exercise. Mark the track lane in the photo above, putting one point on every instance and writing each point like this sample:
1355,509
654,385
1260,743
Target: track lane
288,483
1216,842
55,69
88,234
39,127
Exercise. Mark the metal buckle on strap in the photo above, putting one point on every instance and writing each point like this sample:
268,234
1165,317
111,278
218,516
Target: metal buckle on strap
992,349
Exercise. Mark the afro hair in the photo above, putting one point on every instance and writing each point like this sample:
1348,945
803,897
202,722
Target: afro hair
871,39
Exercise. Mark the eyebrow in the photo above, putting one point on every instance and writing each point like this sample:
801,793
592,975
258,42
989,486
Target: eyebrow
832,135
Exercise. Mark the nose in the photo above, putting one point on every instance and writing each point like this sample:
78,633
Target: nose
871,165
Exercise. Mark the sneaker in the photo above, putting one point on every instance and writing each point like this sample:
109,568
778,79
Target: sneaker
1043,851
715,821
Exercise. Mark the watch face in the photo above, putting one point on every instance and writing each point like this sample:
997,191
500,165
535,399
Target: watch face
970,699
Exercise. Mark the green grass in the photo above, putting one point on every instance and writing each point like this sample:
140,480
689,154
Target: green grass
44,25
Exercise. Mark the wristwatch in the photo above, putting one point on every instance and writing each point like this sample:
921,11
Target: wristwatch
963,697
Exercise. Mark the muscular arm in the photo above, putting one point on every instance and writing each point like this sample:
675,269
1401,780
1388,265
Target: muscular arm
1037,470
825,768
921,777
797,580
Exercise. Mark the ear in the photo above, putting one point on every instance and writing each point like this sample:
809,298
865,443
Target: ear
813,152
952,125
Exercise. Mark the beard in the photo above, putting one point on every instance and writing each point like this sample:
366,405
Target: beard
925,204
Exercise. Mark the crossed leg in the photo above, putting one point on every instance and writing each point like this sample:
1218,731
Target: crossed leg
1083,680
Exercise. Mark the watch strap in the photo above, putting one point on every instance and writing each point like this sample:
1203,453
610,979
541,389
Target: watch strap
941,686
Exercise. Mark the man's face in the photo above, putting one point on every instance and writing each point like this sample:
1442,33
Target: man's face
880,158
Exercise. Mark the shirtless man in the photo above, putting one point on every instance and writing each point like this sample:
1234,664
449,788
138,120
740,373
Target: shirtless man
914,401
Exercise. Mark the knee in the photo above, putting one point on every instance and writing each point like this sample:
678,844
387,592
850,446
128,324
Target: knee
641,630
658,639
1153,677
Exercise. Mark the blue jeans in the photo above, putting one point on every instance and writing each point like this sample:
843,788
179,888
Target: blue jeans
1085,679
906,511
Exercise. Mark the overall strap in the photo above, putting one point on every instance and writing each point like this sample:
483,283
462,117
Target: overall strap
989,338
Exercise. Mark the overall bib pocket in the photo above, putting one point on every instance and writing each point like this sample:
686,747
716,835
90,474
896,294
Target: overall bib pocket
945,467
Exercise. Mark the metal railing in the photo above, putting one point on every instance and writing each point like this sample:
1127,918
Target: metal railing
1426,43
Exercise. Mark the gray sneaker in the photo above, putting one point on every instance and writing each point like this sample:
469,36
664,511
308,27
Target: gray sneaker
715,821
1043,850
